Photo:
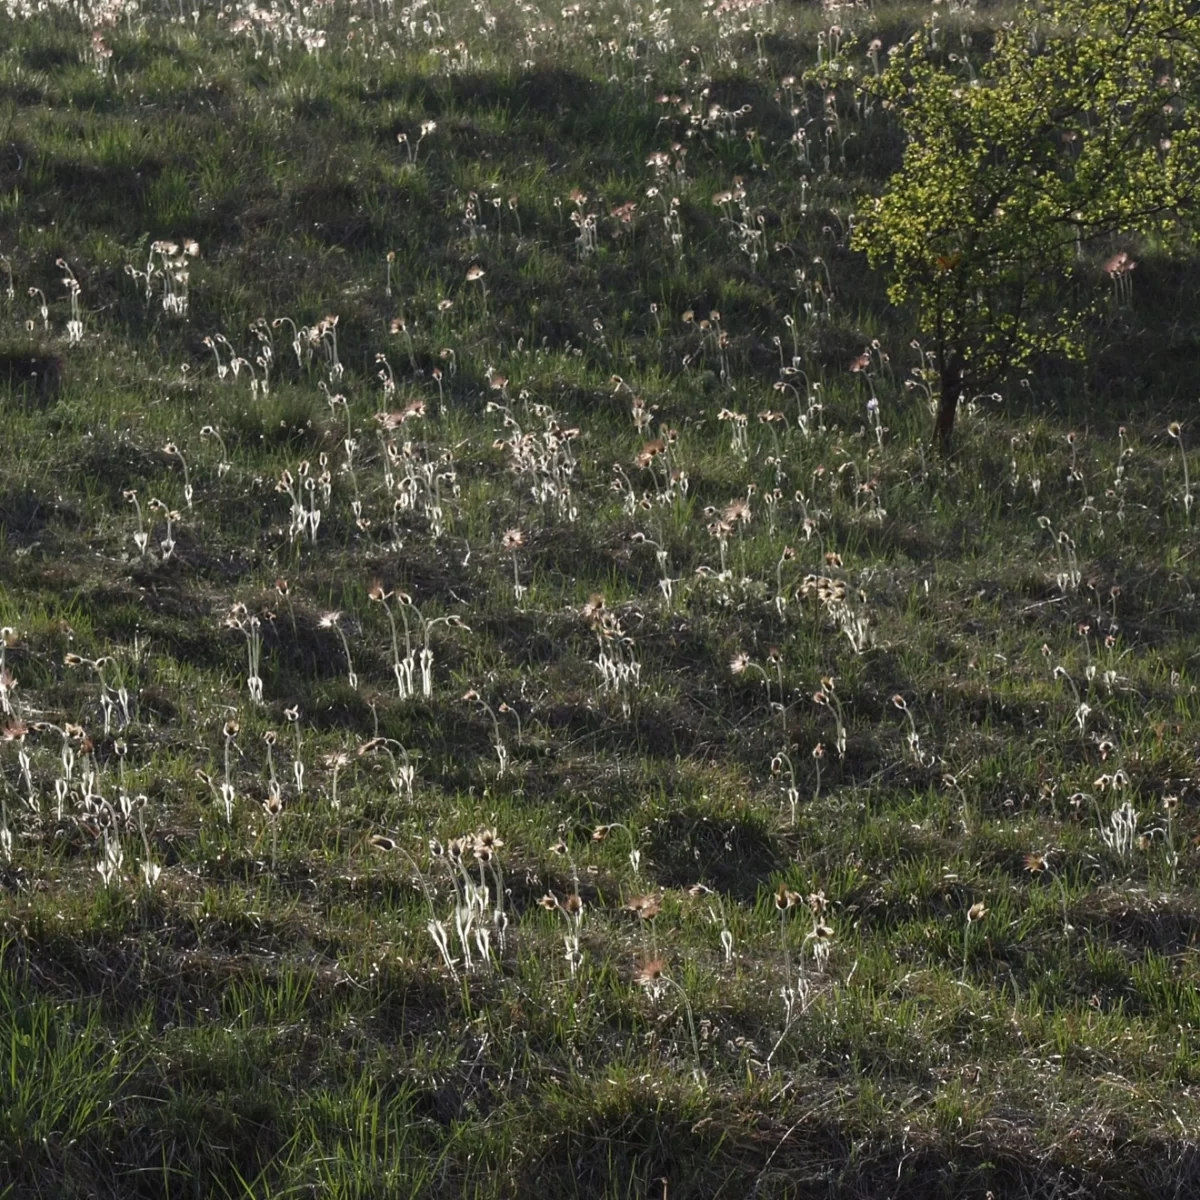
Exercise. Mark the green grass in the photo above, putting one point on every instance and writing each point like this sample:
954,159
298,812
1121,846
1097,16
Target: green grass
252,1003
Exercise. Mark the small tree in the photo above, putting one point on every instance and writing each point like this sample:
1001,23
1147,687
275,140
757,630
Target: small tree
1078,126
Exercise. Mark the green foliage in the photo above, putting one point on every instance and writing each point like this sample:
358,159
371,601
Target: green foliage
1078,126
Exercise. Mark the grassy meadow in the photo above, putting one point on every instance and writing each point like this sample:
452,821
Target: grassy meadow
498,697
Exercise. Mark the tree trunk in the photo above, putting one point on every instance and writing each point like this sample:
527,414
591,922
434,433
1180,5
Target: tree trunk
951,391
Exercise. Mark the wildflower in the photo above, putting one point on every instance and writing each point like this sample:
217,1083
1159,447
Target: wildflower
489,838
573,905
977,912
475,273
739,662
737,513
549,902
381,842
646,907
1035,863
232,728
593,608
649,972
513,539
649,452
329,620
600,833
785,898
1119,264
